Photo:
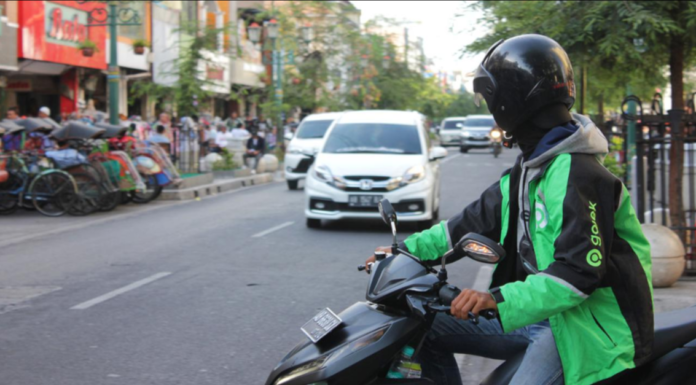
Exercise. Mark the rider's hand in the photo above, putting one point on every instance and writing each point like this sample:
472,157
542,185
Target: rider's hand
373,259
472,301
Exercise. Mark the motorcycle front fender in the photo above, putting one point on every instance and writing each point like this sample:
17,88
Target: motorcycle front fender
349,363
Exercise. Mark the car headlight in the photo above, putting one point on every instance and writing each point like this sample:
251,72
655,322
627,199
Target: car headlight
321,362
324,174
465,134
412,175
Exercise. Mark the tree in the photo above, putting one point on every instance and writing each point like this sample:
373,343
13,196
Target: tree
627,42
191,90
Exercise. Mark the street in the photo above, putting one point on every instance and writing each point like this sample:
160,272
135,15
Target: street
224,296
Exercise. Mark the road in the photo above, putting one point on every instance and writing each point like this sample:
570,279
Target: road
202,292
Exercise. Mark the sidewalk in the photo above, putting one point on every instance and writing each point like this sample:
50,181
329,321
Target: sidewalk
476,369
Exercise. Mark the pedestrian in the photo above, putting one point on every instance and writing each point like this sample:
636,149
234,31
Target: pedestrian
233,121
240,132
208,136
160,138
165,120
44,112
255,149
222,139
12,113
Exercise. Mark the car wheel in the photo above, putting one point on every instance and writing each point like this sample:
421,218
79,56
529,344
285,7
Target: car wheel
313,223
436,215
463,150
292,184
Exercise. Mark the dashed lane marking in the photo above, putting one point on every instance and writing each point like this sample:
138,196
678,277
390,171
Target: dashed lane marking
272,230
117,292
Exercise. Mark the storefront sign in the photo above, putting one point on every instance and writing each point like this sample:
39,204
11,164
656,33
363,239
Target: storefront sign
65,25
50,31
19,85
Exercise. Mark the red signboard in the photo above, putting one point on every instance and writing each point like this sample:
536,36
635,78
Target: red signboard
51,31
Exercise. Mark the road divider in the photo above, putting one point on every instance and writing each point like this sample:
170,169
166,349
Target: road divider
117,292
272,230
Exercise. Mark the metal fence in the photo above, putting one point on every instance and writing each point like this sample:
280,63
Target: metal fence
649,175
185,150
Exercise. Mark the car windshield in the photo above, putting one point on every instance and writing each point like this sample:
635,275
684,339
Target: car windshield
452,124
480,123
373,138
313,129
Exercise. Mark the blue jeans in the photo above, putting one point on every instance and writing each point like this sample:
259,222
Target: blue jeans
541,364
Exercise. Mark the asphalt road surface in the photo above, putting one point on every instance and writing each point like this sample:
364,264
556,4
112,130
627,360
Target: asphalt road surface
202,292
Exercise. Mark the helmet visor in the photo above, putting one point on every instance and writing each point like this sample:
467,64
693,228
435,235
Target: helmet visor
478,97
484,87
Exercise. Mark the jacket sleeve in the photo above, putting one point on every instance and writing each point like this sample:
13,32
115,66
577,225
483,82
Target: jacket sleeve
481,217
579,200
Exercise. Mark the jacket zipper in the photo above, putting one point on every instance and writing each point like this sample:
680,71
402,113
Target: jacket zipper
602,329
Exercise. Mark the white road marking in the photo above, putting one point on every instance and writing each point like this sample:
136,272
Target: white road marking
117,292
450,158
272,229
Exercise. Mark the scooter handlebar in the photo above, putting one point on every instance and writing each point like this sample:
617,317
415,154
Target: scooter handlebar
448,293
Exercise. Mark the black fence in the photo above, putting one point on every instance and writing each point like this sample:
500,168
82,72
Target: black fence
649,176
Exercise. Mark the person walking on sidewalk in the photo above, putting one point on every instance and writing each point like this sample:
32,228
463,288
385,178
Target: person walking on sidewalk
574,292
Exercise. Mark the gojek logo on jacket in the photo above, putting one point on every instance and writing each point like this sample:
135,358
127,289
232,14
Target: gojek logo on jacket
594,257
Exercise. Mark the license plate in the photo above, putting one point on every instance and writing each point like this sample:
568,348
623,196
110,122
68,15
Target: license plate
364,200
321,324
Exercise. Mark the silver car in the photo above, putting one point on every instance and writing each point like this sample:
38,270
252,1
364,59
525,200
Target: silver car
451,131
476,131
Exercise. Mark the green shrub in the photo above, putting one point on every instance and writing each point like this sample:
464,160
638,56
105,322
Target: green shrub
227,163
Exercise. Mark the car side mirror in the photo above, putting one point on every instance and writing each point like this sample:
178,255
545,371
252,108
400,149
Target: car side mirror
438,153
480,248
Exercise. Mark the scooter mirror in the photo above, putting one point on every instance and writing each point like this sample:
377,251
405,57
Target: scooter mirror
387,212
481,249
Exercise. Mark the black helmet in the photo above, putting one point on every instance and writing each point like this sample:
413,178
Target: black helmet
520,76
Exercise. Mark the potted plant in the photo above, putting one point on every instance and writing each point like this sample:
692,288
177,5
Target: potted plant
88,48
139,46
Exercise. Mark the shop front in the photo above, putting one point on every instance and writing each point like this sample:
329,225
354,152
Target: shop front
8,56
52,70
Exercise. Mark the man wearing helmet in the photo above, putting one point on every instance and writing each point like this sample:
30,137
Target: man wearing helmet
574,292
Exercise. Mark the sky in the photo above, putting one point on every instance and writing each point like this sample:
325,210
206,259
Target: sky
443,33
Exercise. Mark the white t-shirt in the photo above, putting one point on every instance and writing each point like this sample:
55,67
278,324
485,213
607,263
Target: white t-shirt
222,139
240,133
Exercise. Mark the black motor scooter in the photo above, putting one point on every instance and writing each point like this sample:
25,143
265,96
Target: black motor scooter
359,345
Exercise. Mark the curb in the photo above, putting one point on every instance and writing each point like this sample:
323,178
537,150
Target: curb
216,187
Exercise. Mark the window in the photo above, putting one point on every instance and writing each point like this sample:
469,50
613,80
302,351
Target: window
480,122
374,138
453,124
314,129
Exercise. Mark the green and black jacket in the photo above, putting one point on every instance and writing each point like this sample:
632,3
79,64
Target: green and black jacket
588,268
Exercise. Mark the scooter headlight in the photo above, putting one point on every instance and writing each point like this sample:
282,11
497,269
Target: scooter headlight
495,134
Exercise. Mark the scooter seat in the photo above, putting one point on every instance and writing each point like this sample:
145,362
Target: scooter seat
673,329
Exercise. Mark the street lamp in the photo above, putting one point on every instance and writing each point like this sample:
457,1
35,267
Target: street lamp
255,32
307,33
272,29
114,17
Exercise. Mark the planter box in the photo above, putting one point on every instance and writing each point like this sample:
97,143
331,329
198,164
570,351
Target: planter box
229,174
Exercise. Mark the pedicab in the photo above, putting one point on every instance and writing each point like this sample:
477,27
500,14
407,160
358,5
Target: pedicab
152,162
30,178
91,177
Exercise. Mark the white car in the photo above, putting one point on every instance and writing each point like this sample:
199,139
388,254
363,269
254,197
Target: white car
451,131
304,146
372,155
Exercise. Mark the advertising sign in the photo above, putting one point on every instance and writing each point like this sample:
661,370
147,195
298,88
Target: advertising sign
51,31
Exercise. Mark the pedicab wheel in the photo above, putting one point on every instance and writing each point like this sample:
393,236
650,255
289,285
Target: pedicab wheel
153,190
125,197
89,195
52,194
110,201
9,202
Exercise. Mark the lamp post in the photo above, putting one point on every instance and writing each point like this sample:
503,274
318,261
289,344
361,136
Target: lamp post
272,29
114,17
